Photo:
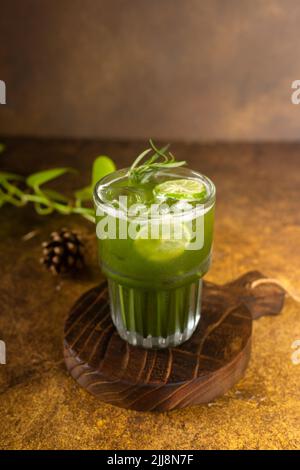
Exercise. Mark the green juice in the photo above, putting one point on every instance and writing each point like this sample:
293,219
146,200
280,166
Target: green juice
155,277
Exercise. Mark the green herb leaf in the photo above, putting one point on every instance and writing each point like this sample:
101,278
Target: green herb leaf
140,158
102,166
84,194
37,179
2,147
159,160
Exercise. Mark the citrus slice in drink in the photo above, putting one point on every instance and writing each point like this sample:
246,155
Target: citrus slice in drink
181,189
164,246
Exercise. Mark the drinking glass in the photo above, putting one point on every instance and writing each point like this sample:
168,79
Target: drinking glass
154,275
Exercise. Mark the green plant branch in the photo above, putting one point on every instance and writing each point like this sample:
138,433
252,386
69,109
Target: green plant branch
19,191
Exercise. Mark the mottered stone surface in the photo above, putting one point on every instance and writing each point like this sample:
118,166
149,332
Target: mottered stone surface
257,227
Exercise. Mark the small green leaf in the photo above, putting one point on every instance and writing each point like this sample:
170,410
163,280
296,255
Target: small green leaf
84,194
141,172
140,158
102,166
37,179
2,147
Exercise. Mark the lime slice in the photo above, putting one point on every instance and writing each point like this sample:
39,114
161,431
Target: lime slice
164,248
187,189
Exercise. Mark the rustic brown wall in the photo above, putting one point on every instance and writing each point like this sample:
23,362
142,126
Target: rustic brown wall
177,69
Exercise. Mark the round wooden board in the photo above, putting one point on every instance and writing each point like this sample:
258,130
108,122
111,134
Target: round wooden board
201,369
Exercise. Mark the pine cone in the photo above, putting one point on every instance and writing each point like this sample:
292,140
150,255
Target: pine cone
63,252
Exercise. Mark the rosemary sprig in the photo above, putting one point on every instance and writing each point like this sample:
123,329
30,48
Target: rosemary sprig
161,159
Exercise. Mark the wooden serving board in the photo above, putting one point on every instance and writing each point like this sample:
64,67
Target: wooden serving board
198,371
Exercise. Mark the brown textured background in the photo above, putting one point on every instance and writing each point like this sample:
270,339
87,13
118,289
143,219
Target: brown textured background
192,70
